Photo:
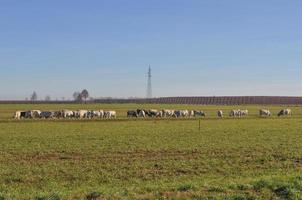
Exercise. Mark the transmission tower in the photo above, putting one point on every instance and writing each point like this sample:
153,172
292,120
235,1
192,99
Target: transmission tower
149,84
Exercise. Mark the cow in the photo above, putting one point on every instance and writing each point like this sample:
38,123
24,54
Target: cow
244,112
94,114
220,114
141,113
20,114
168,113
152,113
235,113
132,113
191,113
285,112
101,113
181,113
110,114
199,113
265,113
67,114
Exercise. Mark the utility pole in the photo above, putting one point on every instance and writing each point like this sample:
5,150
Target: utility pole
149,84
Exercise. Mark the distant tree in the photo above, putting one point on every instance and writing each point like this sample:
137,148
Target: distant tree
34,96
77,96
85,95
47,98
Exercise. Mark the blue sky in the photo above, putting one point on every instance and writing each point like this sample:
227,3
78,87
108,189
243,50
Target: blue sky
195,47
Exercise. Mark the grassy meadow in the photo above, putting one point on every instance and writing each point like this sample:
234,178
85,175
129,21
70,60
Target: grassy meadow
247,158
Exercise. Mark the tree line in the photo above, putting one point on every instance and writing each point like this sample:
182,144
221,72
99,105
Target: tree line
77,96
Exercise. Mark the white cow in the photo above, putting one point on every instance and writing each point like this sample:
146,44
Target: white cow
101,113
265,113
220,114
18,114
244,112
110,114
67,114
142,113
184,113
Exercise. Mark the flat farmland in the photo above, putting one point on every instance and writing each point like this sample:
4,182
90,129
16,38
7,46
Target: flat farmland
247,158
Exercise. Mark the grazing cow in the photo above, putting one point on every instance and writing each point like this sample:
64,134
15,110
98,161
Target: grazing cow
132,113
109,114
264,113
220,114
285,112
199,113
168,113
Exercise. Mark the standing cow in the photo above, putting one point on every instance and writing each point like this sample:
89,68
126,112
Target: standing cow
220,114
20,114
110,114
67,113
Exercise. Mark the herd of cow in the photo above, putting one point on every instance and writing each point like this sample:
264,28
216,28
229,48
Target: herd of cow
79,114
143,113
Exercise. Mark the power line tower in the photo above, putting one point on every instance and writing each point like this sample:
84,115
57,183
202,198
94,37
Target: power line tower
149,84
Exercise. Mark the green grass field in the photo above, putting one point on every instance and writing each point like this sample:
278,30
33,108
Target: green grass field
248,158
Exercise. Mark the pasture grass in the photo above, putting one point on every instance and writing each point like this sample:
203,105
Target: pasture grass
248,158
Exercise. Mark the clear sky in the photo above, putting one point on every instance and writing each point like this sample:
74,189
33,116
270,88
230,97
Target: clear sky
195,47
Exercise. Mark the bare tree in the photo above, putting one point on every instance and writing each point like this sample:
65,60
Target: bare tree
34,96
77,96
47,98
85,95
